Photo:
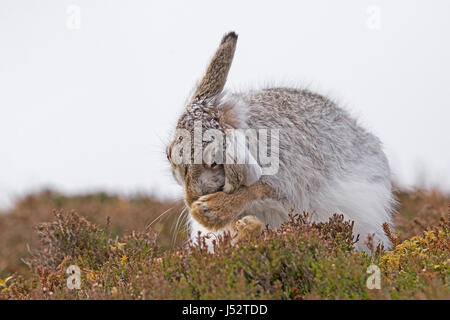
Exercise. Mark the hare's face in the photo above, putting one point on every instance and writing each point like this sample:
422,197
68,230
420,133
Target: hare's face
197,179
212,175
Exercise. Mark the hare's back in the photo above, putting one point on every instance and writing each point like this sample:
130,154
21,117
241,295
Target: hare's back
314,128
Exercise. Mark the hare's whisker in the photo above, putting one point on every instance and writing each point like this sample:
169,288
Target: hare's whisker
147,227
181,218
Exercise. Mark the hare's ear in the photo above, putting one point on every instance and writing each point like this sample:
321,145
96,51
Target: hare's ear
216,74
241,167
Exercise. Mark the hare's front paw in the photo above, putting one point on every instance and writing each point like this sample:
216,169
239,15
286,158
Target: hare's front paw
246,228
213,211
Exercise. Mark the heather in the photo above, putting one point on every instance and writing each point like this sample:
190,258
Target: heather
136,248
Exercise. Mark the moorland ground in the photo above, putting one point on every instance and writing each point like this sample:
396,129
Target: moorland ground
132,248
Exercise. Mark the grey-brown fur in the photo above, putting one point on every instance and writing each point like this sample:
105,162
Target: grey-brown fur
328,162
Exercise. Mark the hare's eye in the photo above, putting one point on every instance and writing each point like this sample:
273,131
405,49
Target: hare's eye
213,165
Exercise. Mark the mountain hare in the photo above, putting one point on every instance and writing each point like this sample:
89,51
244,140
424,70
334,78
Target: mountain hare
323,161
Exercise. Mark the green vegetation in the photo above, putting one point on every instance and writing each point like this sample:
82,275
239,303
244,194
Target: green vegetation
302,260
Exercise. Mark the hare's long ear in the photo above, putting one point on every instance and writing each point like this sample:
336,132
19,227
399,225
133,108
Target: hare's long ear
241,166
216,74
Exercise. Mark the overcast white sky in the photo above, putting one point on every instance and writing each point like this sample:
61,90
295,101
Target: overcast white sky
91,108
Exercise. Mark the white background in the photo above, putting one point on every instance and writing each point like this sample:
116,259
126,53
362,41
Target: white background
92,108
